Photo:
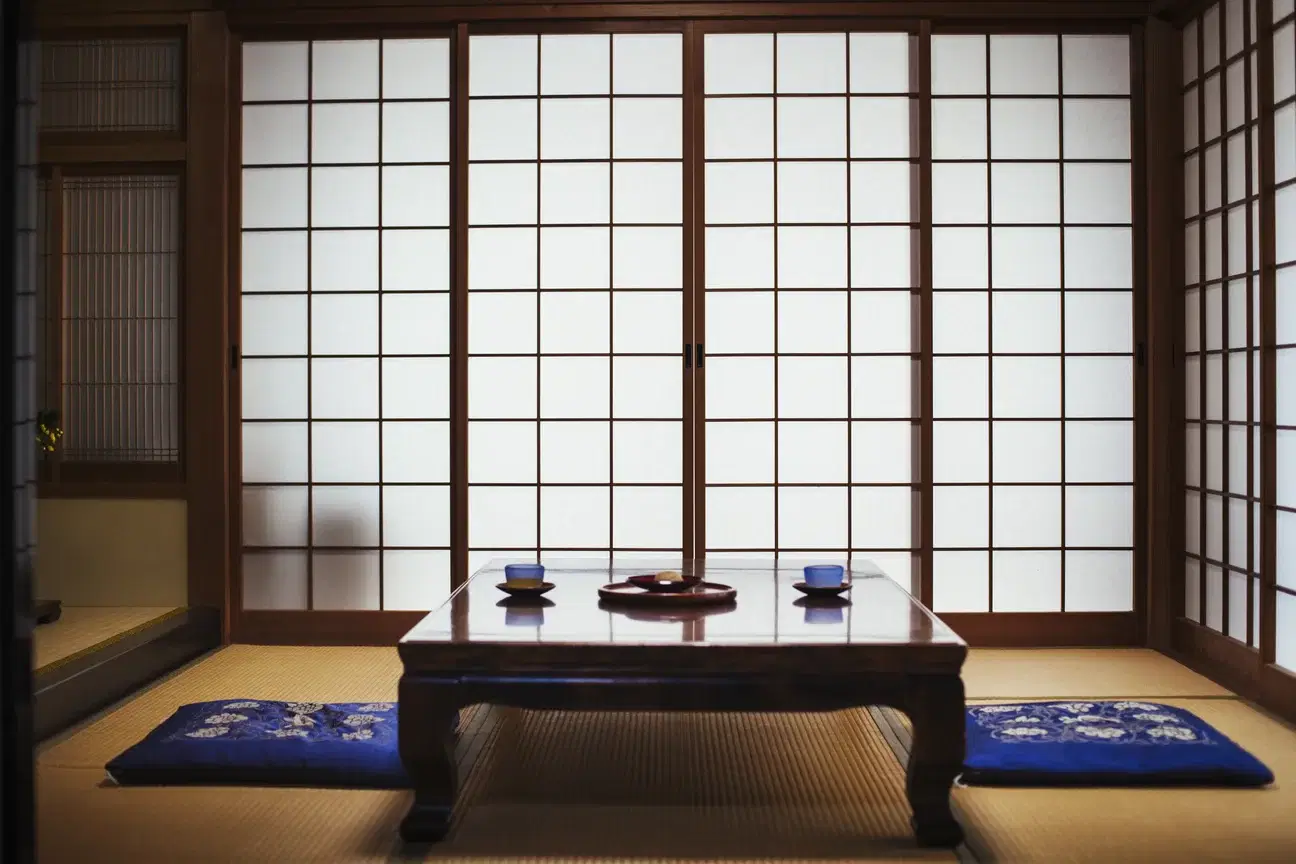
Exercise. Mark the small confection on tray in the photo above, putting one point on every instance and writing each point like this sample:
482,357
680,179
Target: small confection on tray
670,576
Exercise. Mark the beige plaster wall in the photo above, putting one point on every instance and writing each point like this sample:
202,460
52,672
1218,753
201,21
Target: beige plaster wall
112,552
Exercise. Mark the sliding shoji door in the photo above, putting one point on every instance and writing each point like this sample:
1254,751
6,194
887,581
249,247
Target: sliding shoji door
1222,326
1284,323
345,330
576,296
808,291
1033,373
1238,615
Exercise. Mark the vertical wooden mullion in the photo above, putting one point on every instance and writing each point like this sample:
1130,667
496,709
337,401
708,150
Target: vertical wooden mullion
1203,423
774,166
459,307
1249,32
310,335
382,300
234,592
989,241
539,449
1226,353
611,319
694,245
1062,346
850,360
1268,341
1139,170
922,448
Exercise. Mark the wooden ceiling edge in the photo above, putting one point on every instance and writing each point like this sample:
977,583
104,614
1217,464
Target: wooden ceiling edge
62,15
1178,12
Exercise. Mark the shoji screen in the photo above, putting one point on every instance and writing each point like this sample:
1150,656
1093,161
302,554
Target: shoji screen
1222,338
807,254
1284,95
1032,306
575,296
345,324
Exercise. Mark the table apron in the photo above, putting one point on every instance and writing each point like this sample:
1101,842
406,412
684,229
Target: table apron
666,692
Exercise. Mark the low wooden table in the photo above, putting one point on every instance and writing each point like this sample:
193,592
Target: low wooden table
772,650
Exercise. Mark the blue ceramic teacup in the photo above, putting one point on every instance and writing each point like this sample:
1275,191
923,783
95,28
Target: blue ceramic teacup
523,575
824,575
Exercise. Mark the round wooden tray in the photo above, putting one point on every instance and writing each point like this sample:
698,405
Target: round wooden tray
653,613
702,594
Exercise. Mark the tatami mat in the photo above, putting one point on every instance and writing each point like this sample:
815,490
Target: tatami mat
603,787
239,671
1023,826
553,785
1051,826
1072,673
83,628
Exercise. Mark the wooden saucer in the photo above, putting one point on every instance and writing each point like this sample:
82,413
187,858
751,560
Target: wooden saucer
821,590
702,594
530,591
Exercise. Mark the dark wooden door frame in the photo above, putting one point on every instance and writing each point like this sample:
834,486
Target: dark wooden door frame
17,763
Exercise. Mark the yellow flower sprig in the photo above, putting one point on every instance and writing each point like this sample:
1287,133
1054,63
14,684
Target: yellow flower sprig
48,432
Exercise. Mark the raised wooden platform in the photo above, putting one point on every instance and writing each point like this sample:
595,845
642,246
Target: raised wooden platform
80,682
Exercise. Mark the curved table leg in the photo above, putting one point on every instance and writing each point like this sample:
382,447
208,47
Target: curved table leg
936,707
429,713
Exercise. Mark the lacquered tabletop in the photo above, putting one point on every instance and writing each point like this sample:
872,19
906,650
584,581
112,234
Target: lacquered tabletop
767,609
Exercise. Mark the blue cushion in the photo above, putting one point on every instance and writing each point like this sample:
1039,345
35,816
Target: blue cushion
1102,744
256,742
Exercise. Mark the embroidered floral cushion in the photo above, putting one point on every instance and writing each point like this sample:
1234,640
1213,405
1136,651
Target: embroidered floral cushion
1102,744
256,742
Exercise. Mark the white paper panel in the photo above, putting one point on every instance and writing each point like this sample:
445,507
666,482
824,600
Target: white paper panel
275,515
1091,260
961,582
415,579
574,396
812,314
1285,632
342,394
275,580
1192,589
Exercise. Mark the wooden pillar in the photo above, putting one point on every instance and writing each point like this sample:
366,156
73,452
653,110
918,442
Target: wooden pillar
206,337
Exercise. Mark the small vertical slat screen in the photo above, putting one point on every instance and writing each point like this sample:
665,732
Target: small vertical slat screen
47,305
1033,337
1284,97
345,342
576,280
111,309
808,248
27,274
1222,335
111,85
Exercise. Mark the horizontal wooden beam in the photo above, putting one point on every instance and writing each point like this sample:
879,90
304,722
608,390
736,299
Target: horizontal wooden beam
1179,12
282,14
147,152
1044,629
